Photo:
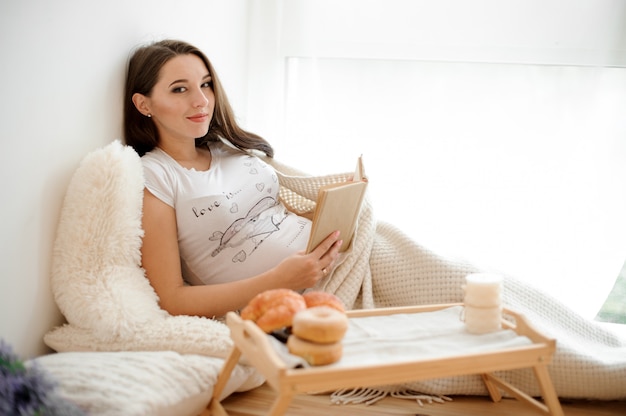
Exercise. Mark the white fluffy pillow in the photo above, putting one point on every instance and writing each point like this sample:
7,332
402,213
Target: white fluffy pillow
97,280
141,383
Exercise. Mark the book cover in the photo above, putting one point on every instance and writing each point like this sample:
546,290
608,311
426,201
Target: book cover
338,207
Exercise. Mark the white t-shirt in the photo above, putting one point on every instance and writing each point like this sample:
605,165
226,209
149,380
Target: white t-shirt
231,224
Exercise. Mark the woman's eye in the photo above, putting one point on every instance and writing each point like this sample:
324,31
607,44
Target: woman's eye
179,89
207,84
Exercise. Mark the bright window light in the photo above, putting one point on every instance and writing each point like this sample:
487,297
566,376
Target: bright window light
502,143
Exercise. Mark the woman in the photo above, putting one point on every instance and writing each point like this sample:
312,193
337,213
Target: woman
216,232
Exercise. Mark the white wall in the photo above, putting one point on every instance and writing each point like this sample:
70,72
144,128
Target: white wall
555,32
61,80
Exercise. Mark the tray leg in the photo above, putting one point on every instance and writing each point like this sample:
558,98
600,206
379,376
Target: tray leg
517,393
547,388
230,363
493,390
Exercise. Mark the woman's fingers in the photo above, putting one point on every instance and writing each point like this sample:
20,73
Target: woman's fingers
327,252
327,244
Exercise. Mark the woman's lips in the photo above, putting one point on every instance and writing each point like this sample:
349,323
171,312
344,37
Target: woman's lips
199,118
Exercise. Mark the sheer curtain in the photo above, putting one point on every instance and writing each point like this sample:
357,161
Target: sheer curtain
493,132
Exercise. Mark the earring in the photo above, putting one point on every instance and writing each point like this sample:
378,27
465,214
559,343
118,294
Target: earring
149,115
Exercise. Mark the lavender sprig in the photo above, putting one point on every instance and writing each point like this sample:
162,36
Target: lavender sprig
28,391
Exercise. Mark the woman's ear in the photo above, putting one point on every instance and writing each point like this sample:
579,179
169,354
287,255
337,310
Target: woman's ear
141,104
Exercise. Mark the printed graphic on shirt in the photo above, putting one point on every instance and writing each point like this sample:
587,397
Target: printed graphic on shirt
258,224
245,231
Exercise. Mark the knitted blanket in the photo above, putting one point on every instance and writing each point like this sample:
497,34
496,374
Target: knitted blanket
384,267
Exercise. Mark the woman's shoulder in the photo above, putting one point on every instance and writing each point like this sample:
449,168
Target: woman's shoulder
225,149
224,152
158,163
154,157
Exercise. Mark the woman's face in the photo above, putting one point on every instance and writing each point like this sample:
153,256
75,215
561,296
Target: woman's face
181,103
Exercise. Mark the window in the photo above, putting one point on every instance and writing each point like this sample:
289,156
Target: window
493,131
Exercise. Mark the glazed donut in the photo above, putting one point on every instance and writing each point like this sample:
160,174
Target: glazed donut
317,298
315,354
320,324
273,309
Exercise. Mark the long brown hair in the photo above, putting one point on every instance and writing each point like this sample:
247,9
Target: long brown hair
143,73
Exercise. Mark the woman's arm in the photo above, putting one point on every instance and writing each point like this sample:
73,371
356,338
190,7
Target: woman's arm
161,261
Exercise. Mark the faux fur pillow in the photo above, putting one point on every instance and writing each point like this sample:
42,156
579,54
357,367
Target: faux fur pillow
97,280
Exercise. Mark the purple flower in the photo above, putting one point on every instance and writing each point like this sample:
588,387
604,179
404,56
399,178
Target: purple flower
28,391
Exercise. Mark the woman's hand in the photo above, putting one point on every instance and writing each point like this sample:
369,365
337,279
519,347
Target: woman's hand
302,271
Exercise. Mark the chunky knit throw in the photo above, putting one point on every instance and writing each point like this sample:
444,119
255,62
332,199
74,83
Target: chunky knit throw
386,268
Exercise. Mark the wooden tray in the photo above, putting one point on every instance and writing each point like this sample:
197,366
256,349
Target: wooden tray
254,344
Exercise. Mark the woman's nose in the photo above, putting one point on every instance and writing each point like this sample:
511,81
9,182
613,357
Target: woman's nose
200,99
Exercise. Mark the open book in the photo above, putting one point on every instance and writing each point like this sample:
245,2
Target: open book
337,208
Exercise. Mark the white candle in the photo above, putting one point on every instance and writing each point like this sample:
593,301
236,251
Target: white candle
483,302
483,290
